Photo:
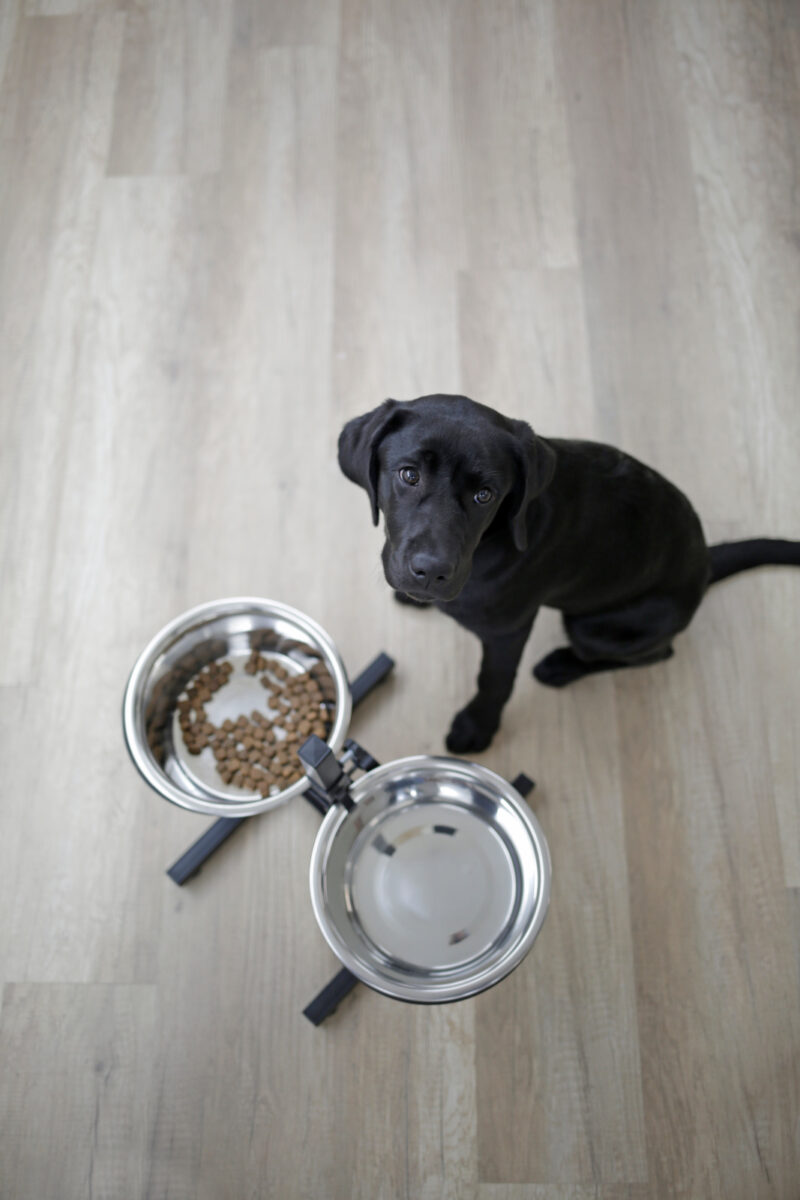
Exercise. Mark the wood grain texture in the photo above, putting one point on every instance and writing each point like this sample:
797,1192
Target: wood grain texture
739,80
303,23
72,8
9,21
562,1191
77,1072
227,228
644,268
707,846
55,115
517,186
557,1044
170,99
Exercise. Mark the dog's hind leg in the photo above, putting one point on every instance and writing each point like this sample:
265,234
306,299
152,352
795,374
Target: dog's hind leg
562,666
634,635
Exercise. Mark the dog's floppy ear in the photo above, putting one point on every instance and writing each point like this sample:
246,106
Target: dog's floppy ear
358,447
535,463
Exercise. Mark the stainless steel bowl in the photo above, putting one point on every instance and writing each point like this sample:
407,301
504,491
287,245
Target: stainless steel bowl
229,629
434,885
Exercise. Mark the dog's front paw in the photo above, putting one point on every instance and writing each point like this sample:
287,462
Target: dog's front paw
469,732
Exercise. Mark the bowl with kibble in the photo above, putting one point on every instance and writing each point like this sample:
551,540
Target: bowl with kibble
219,702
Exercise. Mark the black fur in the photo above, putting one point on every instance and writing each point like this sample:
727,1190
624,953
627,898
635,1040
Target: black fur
573,525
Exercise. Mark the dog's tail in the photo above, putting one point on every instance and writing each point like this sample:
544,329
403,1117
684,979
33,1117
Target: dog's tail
728,558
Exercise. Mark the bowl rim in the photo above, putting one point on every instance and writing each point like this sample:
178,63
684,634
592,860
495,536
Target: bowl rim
413,989
143,665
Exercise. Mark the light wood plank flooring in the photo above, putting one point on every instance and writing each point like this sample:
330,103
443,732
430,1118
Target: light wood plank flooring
225,228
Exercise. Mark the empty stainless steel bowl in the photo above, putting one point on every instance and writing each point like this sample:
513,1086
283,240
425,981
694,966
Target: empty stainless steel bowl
435,884
229,629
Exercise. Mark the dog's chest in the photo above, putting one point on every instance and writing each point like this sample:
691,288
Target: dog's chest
491,602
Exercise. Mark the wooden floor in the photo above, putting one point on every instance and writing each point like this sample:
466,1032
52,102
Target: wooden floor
225,228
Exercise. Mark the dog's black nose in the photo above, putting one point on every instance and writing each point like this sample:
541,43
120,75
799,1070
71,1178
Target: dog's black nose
428,569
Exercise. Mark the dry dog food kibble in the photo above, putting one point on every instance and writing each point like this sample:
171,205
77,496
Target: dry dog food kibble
259,752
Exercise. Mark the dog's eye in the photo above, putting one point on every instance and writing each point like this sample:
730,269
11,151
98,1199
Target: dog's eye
484,496
410,475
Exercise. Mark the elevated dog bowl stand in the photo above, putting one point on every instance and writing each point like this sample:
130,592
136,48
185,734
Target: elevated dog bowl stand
200,851
355,758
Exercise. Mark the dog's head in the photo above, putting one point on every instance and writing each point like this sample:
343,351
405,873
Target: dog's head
444,471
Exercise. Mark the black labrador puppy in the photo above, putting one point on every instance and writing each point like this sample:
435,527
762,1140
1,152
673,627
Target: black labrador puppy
489,521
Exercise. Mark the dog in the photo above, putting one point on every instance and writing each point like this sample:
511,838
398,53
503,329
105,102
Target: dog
489,521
